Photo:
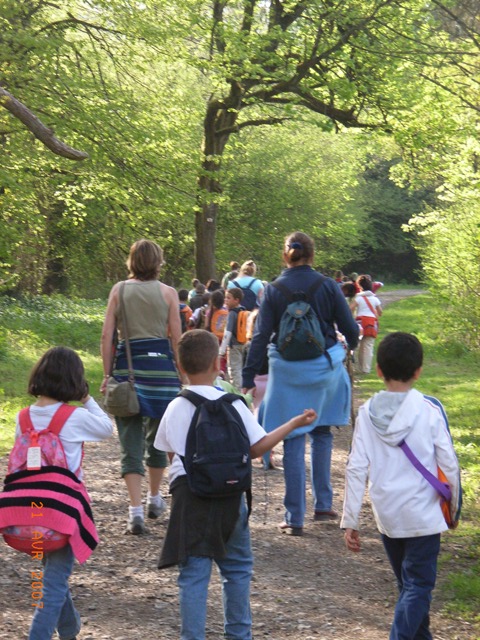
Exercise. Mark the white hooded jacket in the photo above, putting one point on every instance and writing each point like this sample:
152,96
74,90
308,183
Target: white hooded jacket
404,503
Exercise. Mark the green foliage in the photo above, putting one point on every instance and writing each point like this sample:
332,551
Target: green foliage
30,326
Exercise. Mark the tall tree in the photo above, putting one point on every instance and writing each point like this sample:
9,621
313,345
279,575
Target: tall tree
356,64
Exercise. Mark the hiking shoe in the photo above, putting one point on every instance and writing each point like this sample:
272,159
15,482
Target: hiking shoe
155,509
136,526
325,516
289,530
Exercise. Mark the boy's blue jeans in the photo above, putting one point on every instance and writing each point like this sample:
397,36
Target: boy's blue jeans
236,573
321,443
58,611
414,562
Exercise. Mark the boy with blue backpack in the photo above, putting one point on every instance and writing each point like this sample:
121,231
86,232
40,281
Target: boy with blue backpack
392,429
211,437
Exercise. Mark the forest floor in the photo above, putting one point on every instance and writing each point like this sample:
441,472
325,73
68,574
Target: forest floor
307,588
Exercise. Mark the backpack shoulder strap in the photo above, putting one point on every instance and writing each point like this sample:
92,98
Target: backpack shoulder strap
316,285
250,284
25,421
231,397
194,398
61,415
236,284
283,289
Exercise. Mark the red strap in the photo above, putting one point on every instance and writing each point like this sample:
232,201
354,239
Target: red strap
60,416
25,421
370,305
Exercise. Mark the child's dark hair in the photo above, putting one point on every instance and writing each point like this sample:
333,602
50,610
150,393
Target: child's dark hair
196,350
236,293
59,374
399,355
183,295
217,299
365,282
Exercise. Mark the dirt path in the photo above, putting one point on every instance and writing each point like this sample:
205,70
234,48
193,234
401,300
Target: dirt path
305,588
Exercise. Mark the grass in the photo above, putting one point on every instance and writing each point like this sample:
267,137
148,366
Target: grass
451,373
31,325
28,327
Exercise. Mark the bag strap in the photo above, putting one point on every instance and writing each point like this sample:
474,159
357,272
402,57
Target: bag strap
371,307
442,487
131,377
55,425
198,400
309,293
25,421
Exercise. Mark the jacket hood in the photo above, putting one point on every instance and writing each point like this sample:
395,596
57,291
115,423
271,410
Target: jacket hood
393,414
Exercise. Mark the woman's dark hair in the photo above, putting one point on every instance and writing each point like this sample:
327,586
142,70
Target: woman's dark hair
59,374
213,285
365,282
399,355
145,260
299,246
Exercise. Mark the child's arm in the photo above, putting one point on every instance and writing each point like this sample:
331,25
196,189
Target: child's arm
352,540
274,437
227,336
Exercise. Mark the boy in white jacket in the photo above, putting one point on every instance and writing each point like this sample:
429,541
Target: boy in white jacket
406,507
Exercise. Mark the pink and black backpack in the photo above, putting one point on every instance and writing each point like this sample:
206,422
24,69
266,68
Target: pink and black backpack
50,453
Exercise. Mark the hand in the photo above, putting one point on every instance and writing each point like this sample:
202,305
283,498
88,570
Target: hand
352,540
103,386
307,417
252,391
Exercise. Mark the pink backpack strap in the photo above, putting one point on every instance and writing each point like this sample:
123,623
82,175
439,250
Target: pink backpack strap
25,421
61,415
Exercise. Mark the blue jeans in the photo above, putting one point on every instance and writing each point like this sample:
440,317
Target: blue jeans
236,572
58,611
414,562
321,443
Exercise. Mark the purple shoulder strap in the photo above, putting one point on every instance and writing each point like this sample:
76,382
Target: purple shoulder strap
442,487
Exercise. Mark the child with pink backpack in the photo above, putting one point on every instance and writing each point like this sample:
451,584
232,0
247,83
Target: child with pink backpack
45,508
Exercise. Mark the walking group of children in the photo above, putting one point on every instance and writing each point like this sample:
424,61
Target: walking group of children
201,530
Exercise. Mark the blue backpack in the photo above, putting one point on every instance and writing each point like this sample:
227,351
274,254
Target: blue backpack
300,336
249,300
217,450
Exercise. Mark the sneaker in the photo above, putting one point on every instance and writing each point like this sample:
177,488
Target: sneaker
155,509
136,526
325,516
289,530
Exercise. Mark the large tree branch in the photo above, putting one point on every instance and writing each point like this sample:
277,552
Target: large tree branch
250,123
39,130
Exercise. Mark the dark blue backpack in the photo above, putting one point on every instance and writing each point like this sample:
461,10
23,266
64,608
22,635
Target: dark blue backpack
217,450
300,336
249,300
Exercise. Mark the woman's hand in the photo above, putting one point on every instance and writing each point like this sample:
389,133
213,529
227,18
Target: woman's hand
103,386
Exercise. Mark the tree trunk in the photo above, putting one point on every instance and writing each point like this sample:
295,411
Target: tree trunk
219,123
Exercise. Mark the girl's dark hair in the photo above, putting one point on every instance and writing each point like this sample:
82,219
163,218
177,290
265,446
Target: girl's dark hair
365,282
59,374
145,260
399,355
299,246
